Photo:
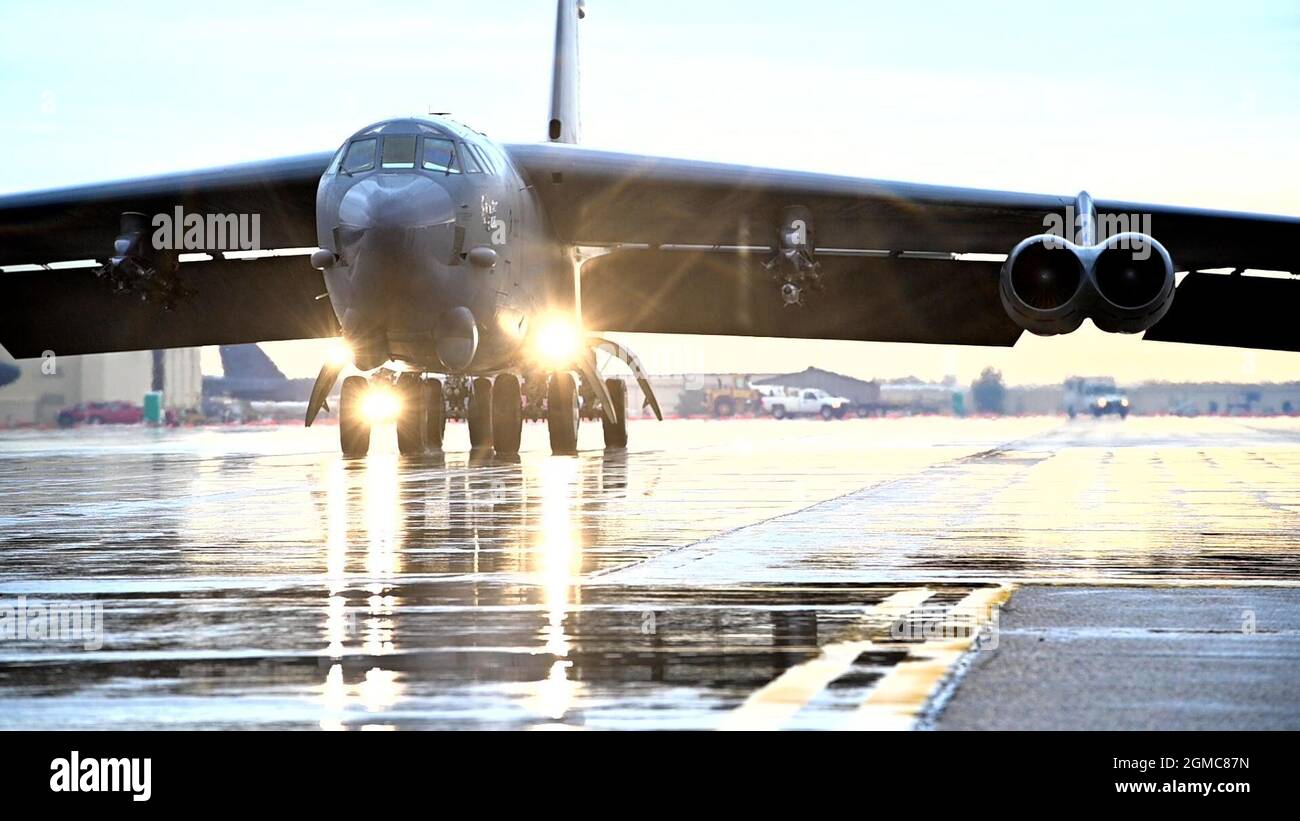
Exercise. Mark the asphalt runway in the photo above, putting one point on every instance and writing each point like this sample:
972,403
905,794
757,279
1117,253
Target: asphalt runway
736,575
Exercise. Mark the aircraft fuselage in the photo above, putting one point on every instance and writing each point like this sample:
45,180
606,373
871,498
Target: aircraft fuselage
435,251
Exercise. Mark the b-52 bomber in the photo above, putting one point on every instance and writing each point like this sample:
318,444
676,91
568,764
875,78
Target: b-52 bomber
463,275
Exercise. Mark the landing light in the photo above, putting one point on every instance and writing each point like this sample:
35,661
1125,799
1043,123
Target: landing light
557,342
381,405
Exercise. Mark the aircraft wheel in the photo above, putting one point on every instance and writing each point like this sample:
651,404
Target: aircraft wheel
562,413
479,415
616,431
507,414
410,416
435,414
354,428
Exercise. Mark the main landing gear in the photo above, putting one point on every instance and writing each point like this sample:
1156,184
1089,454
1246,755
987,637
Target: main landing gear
414,405
493,409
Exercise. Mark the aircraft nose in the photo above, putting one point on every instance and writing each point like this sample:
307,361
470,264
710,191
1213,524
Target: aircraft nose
396,201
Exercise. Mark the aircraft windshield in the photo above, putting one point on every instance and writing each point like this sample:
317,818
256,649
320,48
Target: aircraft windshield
360,156
399,151
439,155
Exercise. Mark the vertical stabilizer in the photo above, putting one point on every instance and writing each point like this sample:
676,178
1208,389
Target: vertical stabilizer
564,124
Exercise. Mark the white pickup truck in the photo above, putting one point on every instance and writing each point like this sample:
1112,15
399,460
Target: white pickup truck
805,402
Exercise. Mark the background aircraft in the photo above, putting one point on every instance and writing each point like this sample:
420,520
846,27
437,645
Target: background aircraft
8,373
446,253
249,374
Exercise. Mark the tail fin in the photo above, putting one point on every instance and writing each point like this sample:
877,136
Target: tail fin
248,362
565,125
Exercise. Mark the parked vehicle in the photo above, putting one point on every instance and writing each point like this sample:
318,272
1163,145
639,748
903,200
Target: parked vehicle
730,399
805,402
1096,395
101,413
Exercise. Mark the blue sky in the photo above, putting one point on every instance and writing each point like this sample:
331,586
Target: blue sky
1188,103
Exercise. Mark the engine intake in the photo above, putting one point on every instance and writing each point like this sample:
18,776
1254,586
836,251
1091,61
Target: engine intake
1134,278
1042,285
1050,285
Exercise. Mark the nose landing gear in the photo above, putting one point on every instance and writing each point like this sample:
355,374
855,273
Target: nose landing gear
414,405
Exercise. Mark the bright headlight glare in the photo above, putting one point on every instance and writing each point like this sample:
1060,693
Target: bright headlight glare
381,405
340,353
557,342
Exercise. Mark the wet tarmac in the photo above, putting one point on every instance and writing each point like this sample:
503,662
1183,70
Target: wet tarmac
254,578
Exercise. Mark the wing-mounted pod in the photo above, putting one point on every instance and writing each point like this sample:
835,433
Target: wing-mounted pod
137,267
1124,283
795,266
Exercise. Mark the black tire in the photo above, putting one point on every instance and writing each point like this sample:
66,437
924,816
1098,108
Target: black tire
411,423
1123,414
562,413
507,414
354,428
724,407
479,414
778,411
827,412
616,431
435,414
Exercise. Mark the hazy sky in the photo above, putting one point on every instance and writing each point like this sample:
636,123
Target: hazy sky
1184,103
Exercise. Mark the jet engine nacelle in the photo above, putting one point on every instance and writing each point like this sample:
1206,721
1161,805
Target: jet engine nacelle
1049,285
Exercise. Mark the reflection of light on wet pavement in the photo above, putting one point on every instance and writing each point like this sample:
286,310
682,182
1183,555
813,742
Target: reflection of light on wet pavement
558,573
256,578
377,691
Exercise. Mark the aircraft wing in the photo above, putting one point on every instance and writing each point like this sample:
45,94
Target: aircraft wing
69,311
678,247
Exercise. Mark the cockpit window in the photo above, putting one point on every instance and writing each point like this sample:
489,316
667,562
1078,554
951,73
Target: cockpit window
439,155
336,162
471,163
360,156
482,157
399,151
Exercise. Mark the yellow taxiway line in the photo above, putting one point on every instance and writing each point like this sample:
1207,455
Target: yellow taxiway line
899,696
769,707
896,700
